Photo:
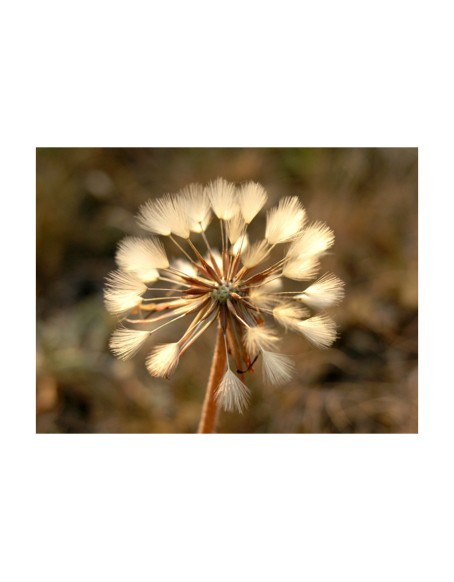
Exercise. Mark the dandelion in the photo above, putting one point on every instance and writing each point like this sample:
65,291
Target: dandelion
236,286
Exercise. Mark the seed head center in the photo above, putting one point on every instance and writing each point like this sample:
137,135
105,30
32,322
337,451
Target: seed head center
222,292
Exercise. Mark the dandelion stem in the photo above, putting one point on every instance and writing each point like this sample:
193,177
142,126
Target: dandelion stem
210,408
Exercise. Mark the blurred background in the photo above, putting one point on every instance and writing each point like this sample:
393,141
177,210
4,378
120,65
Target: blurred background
366,383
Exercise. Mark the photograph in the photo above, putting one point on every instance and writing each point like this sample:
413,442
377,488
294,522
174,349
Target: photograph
227,290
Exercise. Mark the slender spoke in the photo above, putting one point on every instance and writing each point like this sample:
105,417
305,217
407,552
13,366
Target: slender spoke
166,298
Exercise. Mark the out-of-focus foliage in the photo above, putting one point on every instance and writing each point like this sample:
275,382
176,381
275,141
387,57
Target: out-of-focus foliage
86,202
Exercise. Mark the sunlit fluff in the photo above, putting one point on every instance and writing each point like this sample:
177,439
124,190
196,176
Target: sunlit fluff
236,283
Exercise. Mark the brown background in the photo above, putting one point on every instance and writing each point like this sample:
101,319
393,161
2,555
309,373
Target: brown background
367,383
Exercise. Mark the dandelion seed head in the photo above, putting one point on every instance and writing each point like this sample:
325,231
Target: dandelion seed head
210,273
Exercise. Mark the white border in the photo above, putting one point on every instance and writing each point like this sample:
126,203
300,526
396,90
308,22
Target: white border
238,74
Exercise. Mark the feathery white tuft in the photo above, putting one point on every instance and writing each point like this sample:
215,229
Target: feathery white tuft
222,195
123,291
184,267
289,314
142,256
263,295
272,284
165,216
124,342
251,199
285,221
277,368
232,394
163,360
241,245
235,227
197,207
255,254
258,338
314,241
320,330
327,291
301,268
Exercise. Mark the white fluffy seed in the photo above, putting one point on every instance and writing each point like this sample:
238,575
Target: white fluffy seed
142,256
258,338
301,268
235,228
125,343
314,241
197,207
285,221
277,368
163,360
222,195
232,394
123,291
165,216
327,291
263,296
320,330
289,314
255,254
251,199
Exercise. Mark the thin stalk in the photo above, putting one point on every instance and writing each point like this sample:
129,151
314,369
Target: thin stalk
210,407
182,250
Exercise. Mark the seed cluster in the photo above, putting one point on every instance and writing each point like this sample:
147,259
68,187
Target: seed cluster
237,283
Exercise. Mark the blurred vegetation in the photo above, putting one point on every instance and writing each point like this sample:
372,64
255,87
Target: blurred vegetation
367,383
